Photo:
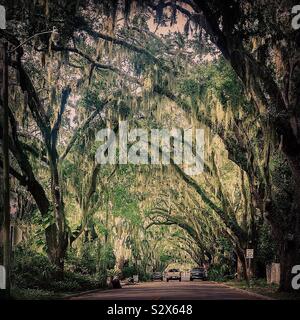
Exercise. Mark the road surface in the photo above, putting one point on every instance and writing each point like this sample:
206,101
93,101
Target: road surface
173,290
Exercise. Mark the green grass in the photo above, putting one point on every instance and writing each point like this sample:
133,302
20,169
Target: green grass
260,286
35,294
38,294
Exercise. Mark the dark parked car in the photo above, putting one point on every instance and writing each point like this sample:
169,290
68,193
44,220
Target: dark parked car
157,276
198,273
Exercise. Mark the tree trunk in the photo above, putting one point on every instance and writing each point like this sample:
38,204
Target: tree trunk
241,257
290,248
57,198
55,249
289,256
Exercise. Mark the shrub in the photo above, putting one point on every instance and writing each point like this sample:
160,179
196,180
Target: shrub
85,264
219,272
31,270
129,271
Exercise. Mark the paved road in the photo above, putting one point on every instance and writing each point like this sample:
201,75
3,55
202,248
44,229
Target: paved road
173,290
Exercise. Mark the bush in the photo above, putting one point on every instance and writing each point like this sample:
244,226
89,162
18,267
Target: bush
31,270
219,272
129,271
85,264
144,276
73,282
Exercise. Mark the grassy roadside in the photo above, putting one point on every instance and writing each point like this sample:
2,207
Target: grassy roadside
35,294
260,286
38,294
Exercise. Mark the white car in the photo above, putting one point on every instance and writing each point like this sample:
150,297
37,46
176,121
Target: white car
173,274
